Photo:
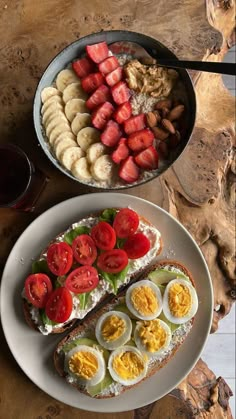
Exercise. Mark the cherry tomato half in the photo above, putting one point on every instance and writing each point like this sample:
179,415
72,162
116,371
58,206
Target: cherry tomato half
113,261
59,258
59,305
83,279
125,223
104,235
38,287
84,249
137,246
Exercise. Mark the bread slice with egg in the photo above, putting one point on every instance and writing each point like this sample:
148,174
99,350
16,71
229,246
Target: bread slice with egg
32,314
149,339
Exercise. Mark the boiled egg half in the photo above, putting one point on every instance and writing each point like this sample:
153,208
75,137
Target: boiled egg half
180,301
152,336
127,365
144,300
113,329
85,364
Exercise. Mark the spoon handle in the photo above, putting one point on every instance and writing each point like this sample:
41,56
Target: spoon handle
212,67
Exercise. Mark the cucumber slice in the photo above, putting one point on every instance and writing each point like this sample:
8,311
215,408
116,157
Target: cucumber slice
171,325
80,341
124,309
163,276
98,388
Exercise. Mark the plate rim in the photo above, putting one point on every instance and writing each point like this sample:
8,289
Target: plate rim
47,213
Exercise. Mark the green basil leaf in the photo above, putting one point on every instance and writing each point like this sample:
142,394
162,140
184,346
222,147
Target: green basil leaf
40,266
114,278
120,243
108,215
77,231
83,299
45,318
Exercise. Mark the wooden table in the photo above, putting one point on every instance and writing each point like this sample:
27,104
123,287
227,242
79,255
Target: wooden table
198,190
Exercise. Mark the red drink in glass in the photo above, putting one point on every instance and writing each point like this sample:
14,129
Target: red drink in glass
20,182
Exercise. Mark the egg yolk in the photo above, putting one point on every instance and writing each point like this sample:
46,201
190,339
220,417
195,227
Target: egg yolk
112,328
84,364
144,300
179,299
128,365
152,335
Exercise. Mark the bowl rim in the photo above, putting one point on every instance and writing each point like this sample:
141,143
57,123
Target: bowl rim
123,33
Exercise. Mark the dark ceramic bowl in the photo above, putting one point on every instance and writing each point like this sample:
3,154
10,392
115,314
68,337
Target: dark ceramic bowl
155,49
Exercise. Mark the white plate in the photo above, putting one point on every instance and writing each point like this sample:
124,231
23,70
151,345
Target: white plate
33,351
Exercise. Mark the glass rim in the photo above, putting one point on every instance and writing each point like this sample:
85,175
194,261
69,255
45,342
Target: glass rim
22,154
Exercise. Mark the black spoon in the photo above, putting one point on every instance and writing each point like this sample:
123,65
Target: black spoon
139,52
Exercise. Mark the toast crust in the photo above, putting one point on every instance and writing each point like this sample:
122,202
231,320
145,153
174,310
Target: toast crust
26,306
58,355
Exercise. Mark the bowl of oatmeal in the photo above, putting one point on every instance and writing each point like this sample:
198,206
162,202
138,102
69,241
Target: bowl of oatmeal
108,116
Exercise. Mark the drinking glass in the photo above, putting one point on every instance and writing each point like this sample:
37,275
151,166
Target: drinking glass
20,181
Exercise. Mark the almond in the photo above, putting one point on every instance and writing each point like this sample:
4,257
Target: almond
176,112
158,116
165,112
160,134
151,119
164,103
168,125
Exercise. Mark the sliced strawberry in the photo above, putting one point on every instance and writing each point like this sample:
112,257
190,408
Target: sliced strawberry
140,140
129,171
83,67
102,114
108,65
121,152
97,52
101,95
114,77
147,159
120,93
123,112
111,134
92,82
135,123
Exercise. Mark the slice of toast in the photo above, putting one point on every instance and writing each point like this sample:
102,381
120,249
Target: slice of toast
32,314
87,329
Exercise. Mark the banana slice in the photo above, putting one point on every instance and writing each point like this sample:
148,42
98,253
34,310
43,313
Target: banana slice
64,135
62,146
75,106
48,92
103,168
60,119
66,77
70,155
81,120
50,101
63,127
87,136
95,151
80,169
74,91
53,109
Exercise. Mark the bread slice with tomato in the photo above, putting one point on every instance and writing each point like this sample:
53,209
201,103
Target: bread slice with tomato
85,265
132,336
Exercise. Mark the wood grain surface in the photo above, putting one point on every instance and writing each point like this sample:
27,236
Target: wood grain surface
198,190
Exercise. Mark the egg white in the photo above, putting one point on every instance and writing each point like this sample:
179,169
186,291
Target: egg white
121,340
143,348
119,379
193,308
154,287
100,374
